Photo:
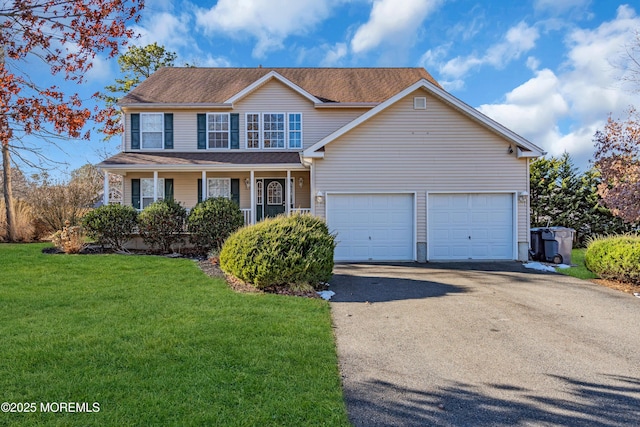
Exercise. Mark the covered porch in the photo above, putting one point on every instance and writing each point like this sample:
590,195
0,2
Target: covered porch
273,184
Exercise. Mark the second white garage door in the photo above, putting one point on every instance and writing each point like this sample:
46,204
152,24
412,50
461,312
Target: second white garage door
470,226
372,227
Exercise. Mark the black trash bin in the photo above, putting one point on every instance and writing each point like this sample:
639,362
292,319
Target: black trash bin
558,243
536,253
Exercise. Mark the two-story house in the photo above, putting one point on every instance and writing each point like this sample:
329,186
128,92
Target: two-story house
400,169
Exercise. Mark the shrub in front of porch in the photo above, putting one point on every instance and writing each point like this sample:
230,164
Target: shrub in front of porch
161,224
290,251
111,225
210,223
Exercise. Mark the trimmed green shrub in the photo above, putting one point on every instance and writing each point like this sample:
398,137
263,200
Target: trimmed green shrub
111,225
291,251
616,258
161,224
210,223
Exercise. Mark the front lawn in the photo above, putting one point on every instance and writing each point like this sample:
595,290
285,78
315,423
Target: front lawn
154,341
579,271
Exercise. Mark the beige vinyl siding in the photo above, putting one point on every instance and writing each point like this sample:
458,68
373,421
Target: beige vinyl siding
272,97
434,150
185,186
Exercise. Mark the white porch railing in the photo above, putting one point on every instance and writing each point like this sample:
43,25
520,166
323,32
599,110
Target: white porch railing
247,216
247,213
300,210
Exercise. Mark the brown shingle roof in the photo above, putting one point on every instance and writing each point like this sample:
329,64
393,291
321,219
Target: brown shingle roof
216,85
201,159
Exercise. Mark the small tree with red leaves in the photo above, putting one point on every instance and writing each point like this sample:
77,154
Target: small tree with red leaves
66,35
617,157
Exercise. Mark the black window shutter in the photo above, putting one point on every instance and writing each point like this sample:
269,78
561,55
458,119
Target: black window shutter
199,190
135,131
202,131
168,131
168,189
235,130
135,193
235,190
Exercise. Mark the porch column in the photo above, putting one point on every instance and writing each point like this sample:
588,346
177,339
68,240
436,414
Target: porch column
288,198
204,185
252,177
105,196
155,186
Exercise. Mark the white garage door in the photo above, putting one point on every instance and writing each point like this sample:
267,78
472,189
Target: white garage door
470,226
372,227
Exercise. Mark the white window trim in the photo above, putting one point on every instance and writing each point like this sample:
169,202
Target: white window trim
228,147
301,135
284,131
287,142
142,147
228,180
160,191
246,131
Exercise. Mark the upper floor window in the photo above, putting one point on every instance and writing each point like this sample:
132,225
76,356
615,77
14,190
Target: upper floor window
295,130
151,130
274,130
218,130
253,130
273,134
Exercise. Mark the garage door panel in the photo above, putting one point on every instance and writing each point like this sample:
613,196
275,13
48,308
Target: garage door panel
372,227
470,226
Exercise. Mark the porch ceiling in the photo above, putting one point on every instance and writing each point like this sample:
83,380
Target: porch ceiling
197,161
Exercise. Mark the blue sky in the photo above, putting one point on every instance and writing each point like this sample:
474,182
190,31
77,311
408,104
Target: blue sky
551,70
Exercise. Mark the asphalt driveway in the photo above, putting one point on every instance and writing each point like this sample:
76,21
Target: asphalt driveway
479,344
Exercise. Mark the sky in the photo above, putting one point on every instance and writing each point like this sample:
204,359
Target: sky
550,70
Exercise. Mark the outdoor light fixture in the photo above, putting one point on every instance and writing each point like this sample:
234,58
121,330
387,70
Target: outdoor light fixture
247,183
300,182
510,151
319,197
522,196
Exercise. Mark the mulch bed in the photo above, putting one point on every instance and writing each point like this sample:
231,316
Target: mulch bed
629,288
212,269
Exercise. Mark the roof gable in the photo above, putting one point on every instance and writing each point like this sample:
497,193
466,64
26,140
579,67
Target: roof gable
264,79
525,147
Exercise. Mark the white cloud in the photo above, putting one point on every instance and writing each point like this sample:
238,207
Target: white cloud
392,21
269,21
334,55
532,109
517,41
167,29
560,111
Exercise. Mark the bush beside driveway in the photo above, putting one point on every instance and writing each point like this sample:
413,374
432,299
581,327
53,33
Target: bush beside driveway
484,344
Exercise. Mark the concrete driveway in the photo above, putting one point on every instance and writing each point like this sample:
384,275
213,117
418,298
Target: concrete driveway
484,344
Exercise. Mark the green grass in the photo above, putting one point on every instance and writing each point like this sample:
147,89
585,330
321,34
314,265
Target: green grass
156,342
579,271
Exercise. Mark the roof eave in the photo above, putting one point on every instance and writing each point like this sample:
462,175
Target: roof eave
175,106
201,167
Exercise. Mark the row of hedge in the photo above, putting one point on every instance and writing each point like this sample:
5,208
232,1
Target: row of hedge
615,258
162,223
294,251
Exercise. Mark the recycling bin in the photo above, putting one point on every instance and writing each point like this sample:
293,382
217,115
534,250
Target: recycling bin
558,243
536,253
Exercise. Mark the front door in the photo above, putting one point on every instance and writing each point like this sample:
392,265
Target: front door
274,197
